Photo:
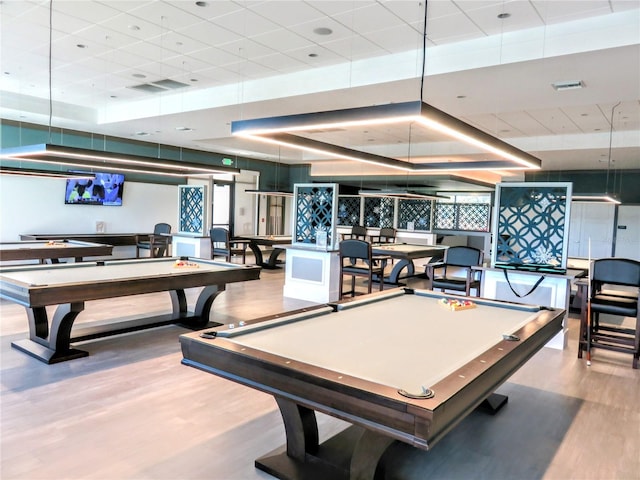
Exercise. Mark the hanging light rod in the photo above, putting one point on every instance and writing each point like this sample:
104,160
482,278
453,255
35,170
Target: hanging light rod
397,116
596,197
272,193
403,194
81,157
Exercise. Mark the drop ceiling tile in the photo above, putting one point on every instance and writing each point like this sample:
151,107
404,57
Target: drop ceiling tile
396,39
165,15
567,10
210,33
287,13
245,22
91,12
282,40
355,48
369,18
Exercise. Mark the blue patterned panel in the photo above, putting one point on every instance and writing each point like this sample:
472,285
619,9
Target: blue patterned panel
314,212
349,210
473,216
378,212
192,211
416,211
445,216
532,223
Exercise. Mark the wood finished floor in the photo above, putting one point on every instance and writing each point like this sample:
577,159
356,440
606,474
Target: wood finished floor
131,410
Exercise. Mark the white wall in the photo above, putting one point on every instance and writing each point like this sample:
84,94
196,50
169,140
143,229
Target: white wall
36,205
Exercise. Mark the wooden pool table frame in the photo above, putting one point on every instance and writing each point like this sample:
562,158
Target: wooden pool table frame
39,250
385,416
50,341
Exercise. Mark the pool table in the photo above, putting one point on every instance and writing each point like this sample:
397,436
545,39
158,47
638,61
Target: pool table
70,285
406,254
115,239
399,365
53,250
255,241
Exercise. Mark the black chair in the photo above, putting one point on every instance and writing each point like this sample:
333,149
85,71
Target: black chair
158,243
223,246
610,332
357,260
358,232
457,271
386,235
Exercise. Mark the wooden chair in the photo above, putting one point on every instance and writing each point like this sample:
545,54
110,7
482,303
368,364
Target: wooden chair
457,271
223,246
158,243
614,291
358,232
357,260
386,235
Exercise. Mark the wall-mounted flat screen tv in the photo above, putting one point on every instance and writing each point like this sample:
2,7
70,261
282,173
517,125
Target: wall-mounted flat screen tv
98,189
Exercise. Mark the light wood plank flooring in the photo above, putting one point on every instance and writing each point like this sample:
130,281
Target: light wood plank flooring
131,410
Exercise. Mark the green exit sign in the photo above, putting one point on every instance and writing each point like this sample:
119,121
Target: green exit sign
227,161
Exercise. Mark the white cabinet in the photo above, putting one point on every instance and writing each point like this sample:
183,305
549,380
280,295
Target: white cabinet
591,222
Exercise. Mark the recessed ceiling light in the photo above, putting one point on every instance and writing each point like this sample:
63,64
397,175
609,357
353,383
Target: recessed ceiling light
313,55
461,96
322,31
201,4
142,134
503,15
82,45
135,28
193,79
139,75
184,129
113,96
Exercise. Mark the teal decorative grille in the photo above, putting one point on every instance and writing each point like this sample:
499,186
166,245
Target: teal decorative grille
378,212
349,211
315,208
416,211
192,213
532,224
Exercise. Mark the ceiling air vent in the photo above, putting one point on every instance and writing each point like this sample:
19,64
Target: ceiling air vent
159,86
559,86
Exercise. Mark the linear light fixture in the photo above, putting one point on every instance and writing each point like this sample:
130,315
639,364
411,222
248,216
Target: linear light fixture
403,194
85,158
35,172
596,197
296,131
272,193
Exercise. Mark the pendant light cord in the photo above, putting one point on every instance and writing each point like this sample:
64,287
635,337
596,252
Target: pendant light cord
50,65
610,145
424,50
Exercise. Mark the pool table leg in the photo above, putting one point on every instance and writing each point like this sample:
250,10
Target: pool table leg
53,347
200,317
304,457
257,253
367,454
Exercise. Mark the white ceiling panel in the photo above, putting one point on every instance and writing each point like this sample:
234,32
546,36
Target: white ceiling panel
507,91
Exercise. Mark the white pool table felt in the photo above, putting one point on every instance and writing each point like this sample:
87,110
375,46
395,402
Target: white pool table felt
407,342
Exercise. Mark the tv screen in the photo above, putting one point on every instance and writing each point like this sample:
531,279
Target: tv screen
101,189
